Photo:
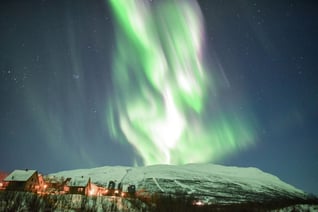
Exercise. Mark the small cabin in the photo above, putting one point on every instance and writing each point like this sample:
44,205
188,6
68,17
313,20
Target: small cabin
22,180
81,185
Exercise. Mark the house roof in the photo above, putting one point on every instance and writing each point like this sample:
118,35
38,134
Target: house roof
20,175
78,182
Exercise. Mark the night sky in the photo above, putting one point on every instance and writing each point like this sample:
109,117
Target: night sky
56,84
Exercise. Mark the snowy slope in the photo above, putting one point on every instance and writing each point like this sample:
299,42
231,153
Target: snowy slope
213,184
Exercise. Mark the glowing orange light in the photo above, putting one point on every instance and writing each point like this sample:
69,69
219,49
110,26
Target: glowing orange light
91,192
199,203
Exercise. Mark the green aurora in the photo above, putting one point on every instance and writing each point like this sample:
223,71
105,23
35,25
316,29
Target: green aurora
165,102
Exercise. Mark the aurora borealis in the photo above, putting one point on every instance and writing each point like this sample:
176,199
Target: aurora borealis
162,86
94,83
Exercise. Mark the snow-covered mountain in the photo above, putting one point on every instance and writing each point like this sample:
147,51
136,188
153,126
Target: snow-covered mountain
207,183
192,187
214,182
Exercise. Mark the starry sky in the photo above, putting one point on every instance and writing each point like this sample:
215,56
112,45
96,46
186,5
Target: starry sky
57,82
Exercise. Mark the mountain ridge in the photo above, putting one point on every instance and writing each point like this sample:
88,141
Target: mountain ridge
210,181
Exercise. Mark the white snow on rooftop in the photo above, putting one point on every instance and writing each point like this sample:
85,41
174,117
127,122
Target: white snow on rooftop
20,175
78,181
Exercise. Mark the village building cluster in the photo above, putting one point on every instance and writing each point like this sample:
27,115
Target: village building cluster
31,181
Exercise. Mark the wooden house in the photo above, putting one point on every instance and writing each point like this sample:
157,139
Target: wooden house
81,185
22,180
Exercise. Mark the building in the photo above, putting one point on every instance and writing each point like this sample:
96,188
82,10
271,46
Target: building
22,180
3,184
128,190
56,185
42,186
81,185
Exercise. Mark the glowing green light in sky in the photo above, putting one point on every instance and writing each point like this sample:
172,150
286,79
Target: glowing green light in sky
162,86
